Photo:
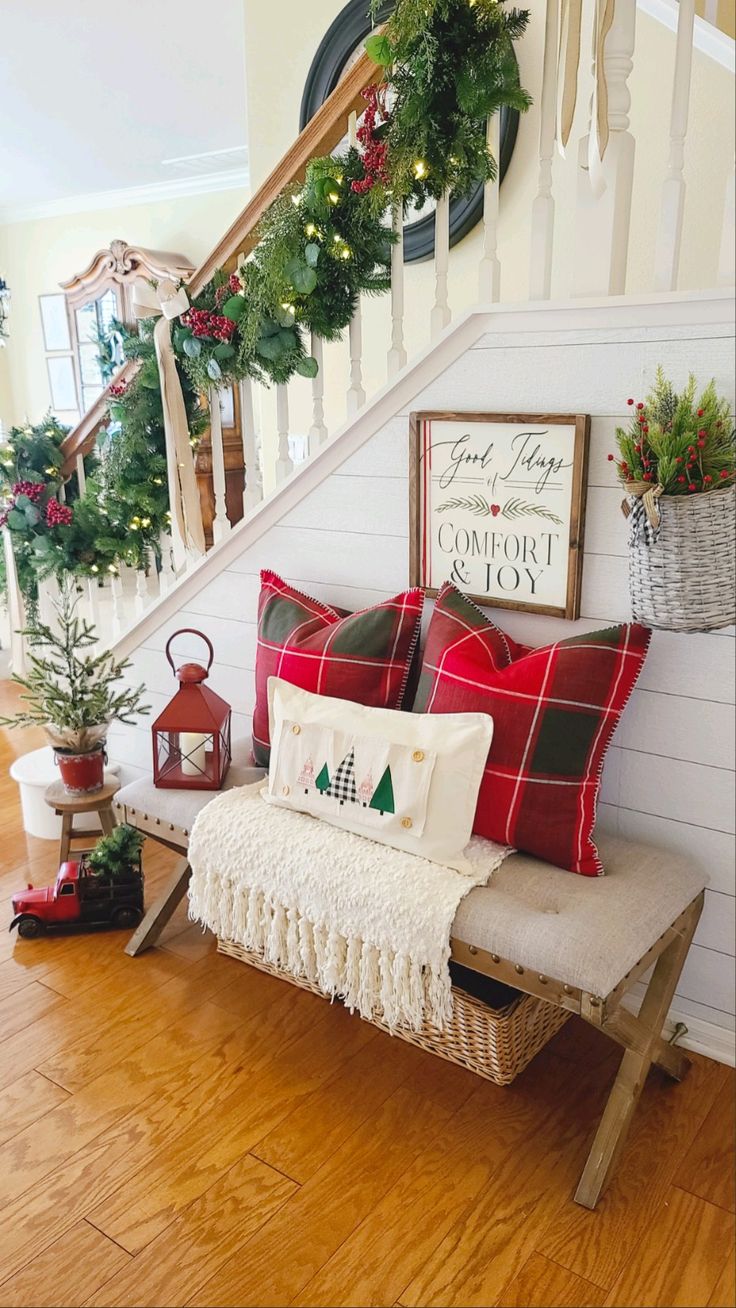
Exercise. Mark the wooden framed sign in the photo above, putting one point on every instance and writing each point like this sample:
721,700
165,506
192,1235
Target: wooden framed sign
497,506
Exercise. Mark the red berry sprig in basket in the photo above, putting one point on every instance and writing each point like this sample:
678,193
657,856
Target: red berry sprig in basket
676,443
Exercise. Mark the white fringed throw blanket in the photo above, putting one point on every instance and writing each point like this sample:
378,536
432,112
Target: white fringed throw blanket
365,922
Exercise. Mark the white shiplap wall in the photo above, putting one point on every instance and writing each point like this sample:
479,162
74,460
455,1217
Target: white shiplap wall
669,776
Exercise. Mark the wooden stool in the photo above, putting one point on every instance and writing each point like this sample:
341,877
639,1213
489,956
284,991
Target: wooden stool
66,805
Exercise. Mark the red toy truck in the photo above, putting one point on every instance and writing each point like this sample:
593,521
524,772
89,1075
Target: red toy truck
79,896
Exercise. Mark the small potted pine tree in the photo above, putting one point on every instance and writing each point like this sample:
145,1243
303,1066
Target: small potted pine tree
117,857
677,465
72,692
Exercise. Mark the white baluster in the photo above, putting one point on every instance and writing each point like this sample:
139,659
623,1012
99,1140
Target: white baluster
489,272
318,429
16,608
253,479
356,393
92,601
726,261
116,592
441,312
396,357
81,478
667,250
284,465
141,587
603,221
62,494
221,522
543,208
167,576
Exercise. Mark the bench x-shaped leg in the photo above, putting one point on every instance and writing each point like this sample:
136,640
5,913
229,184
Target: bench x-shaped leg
159,913
642,1037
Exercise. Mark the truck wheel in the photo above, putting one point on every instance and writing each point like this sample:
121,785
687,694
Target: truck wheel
30,927
124,918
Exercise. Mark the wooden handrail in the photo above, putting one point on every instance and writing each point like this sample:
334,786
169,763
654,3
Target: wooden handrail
322,133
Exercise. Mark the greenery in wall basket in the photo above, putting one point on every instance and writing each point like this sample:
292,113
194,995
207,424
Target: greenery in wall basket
679,443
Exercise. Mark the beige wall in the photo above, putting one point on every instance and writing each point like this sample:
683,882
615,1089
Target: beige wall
36,256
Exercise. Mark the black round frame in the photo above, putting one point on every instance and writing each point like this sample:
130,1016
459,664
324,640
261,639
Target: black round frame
351,26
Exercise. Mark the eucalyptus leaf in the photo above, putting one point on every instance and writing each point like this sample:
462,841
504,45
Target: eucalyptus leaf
312,253
234,308
22,502
378,48
285,317
307,367
42,545
32,514
224,351
302,277
214,370
16,520
269,327
270,347
193,347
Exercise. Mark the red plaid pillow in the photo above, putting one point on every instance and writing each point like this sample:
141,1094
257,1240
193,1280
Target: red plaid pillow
363,656
554,712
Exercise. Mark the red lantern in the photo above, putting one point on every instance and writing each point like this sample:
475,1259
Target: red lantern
191,738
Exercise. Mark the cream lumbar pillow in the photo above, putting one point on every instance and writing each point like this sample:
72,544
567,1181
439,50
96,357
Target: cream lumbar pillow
410,780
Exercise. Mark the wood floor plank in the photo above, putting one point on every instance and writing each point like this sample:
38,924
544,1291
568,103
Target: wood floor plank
18,1011
308,1136
679,1262
724,1294
102,1167
40,1149
295,1053
469,1241
200,1240
277,1262
541,1283
594,1244
66,1272
709,1167
25,1100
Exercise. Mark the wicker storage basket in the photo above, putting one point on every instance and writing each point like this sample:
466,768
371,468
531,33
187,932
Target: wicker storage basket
495,1043
686,580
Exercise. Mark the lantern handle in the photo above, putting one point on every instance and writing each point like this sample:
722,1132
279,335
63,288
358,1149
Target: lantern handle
191,631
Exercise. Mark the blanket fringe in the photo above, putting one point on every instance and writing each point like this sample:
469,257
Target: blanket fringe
393,987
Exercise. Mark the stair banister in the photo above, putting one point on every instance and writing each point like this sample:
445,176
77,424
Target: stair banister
669,238
320,136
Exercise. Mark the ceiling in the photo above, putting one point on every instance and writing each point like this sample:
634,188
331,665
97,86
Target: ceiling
101,97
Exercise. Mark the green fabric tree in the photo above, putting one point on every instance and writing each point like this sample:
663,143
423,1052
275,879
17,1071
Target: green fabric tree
383,795
323,779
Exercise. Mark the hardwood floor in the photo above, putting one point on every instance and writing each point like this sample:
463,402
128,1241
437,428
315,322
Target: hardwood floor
180,1129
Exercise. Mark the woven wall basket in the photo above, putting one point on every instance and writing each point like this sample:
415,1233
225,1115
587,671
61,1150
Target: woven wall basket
686,579
494,1043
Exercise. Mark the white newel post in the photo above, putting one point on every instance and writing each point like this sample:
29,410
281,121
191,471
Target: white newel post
220,522
356,393
489,271
441,311
253,480
667,250
284,465
727,258
543,207
16,608
603,221
318,429
396,358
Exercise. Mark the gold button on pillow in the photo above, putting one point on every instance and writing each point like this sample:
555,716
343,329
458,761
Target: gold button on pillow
418,756
406,823
285,790
296,728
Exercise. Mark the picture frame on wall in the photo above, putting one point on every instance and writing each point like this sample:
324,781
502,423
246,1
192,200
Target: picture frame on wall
497,507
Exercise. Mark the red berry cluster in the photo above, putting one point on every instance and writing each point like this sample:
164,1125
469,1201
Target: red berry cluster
118,388
374,151
58,515
33,490
234,284
205,323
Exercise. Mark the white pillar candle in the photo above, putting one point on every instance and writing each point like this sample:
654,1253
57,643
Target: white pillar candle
193,745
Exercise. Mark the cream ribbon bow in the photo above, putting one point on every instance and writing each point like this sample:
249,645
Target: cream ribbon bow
166,302
648,494
568,71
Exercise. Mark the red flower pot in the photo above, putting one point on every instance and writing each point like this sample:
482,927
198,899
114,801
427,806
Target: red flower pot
82,773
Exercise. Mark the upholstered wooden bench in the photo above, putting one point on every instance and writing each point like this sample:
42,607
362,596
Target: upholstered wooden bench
579,943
